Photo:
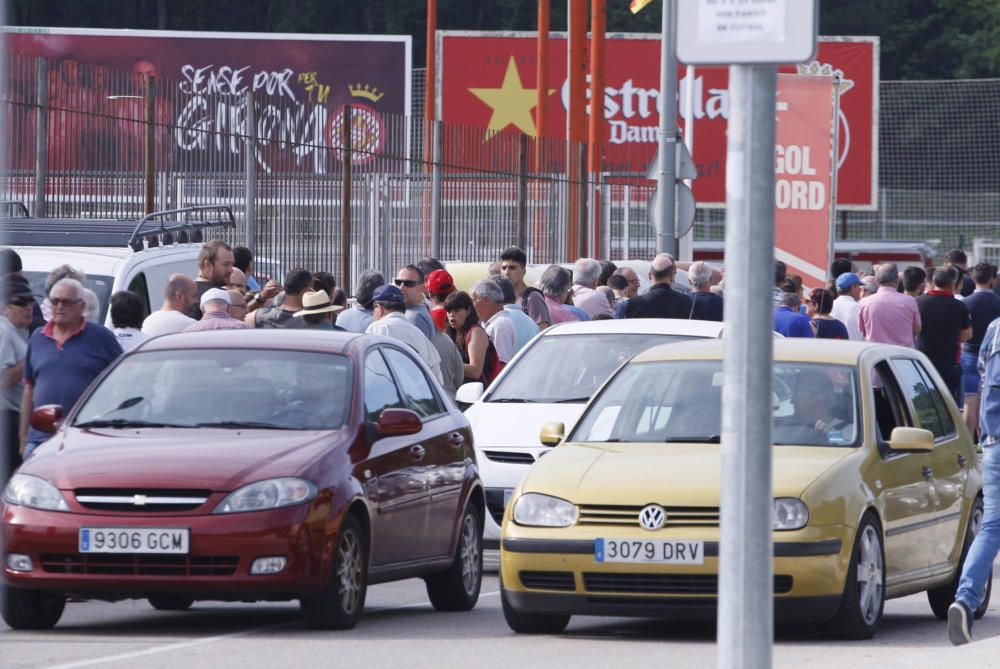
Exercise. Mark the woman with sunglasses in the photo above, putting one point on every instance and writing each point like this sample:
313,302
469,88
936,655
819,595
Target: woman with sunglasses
481,362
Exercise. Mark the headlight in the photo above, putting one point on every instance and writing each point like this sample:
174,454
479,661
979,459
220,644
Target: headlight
269,494
31,491
790,513
543,511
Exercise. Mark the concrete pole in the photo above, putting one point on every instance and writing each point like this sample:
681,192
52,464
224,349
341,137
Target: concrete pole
41,134
666,170
250,172
745,623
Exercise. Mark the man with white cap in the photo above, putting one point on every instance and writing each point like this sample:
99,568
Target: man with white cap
215,304
317,311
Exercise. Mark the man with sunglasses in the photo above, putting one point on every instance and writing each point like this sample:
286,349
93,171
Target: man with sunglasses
16,301
410,281
63,358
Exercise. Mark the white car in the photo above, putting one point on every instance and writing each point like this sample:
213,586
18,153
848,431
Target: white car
551,379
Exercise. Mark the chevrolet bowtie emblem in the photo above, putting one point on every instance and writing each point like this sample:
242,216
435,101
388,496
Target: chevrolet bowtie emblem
139,500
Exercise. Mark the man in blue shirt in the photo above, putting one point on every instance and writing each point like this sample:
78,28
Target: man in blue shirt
787,319
63,358
523,325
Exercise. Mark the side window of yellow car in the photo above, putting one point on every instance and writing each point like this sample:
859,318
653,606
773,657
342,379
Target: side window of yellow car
890,407
925,397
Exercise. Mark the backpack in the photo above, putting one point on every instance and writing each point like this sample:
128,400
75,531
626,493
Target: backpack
524,297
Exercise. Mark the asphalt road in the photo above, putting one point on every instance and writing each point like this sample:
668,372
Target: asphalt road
400,629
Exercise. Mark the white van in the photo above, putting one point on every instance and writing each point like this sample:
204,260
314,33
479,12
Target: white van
138,256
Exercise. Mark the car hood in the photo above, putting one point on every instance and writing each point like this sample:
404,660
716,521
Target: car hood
207,458
516,425
671,474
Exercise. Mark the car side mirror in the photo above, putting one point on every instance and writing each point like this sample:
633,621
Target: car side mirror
911,439
468,393
552,434
47,417
398,423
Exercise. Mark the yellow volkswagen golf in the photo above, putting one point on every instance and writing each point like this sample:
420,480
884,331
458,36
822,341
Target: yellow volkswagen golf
877,491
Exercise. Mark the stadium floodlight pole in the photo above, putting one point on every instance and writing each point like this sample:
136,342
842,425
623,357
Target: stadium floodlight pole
666,170
746,600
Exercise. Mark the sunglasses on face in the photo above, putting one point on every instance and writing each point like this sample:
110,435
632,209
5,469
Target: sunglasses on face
65,302
409,283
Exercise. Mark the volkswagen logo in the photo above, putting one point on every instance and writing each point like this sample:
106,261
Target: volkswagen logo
652,517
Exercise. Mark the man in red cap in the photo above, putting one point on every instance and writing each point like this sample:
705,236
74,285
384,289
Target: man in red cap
439,286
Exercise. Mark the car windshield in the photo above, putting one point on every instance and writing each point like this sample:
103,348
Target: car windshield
570,368
101,285
681,401
252,388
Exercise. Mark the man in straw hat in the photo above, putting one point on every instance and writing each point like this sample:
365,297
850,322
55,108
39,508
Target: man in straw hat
318,312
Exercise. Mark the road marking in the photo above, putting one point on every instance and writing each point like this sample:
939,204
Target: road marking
212,639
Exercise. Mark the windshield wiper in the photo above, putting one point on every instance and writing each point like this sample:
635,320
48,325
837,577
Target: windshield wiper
512,400
711,439
572,400
125,422
250,425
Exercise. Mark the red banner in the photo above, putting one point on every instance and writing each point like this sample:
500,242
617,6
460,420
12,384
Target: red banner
487,80
804,175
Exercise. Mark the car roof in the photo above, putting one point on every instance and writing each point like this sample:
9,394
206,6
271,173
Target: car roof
664,326
790,349
95,259
285,339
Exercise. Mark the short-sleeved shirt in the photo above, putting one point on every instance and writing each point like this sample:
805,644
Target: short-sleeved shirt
984,308
830,328
217,320
355,319
525,327
943,319
706,307
791,323
846,309
889,317
421,317
165,322
535,306
13,349
58,374
503,334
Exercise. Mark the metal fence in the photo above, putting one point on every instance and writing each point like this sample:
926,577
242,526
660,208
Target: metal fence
85,141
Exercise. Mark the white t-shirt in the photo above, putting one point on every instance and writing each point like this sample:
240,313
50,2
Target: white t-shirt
129,338
500,328
846,310
165,322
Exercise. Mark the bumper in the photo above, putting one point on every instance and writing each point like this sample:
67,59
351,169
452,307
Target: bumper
543,574
217,566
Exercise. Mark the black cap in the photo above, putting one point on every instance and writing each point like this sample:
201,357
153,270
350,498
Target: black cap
14,285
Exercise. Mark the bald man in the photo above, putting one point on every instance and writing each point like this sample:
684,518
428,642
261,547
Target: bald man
661,300
180,299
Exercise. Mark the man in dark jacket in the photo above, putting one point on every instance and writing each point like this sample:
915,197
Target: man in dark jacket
661,300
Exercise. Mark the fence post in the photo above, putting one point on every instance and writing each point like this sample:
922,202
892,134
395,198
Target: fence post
346,141
250,172
41,134
149,154
522,192
437,156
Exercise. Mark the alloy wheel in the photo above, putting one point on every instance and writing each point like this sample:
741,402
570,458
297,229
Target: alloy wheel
870,579
470,554
349,571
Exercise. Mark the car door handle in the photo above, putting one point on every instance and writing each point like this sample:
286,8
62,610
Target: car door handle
928,472
417,452
456,439
962,460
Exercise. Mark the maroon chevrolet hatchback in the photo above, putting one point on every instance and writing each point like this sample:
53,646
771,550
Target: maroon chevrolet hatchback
243,466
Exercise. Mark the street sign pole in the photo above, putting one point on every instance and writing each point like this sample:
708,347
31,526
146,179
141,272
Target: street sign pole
745,623
666,172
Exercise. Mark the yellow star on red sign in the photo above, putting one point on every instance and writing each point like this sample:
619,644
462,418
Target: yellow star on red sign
512,103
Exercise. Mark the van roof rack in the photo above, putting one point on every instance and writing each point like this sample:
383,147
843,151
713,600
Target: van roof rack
161,227
13,209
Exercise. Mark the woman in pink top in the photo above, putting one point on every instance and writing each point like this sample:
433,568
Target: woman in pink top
555,285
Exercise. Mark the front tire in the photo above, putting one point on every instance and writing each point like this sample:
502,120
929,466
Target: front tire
941,598
339,605
863,600
31,609
457,589
531,623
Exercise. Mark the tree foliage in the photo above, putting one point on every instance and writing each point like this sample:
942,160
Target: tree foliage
921,39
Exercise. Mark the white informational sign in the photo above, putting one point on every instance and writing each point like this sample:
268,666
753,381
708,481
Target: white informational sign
728,21
745,32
